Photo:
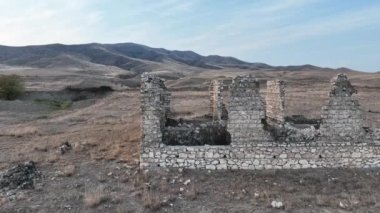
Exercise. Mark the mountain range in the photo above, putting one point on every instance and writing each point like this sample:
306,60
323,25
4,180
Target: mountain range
131,57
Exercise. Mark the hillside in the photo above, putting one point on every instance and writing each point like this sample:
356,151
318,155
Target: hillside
130,57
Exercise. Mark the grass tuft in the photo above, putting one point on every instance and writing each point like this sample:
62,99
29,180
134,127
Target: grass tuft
95,197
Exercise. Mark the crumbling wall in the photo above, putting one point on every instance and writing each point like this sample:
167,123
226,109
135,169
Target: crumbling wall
281,130
342,118
217,107
251,147
376,136
155,107
275,104
246,113
158,129
373,135
265,155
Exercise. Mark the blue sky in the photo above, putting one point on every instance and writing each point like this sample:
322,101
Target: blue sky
331,33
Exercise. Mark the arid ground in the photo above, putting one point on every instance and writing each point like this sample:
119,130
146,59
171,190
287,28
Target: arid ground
100,173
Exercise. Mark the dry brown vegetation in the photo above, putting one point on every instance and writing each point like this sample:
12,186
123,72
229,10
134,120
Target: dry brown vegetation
105,135
95,197
68,170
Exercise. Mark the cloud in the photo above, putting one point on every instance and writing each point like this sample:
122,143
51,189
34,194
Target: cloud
239,36
315,28
149,22
242,26
160,8
234,27
47,22
272,7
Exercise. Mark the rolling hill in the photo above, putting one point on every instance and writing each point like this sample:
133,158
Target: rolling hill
134,58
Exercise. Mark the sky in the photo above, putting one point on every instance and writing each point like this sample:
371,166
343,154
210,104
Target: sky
327,33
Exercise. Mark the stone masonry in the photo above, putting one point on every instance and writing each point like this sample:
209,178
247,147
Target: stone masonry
155,107
275,103
342,118
246,111
264,155
341,144
217,107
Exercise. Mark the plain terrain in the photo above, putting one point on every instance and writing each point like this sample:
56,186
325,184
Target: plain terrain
100,173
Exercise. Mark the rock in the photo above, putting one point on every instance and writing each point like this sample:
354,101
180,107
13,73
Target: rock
65,147
342,205
294,134
209,154
210,167
277,204
221,166
19,177
215,162
3,200
58,174
187,182
303,162
68,207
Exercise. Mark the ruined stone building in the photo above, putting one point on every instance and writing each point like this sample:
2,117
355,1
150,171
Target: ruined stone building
342,117
249,132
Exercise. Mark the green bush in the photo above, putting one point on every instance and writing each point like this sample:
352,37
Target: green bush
11,87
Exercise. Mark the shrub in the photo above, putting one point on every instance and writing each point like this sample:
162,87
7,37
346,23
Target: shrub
11,87
55,104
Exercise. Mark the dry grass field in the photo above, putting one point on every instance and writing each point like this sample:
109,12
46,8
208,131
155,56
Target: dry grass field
100,173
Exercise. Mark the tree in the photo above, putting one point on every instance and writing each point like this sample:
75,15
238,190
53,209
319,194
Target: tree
11,87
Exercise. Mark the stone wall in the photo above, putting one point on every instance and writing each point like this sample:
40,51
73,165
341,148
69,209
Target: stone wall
342,118
373,135
155,107
246,112
275,102
217,108
376,136
344,142
264,156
